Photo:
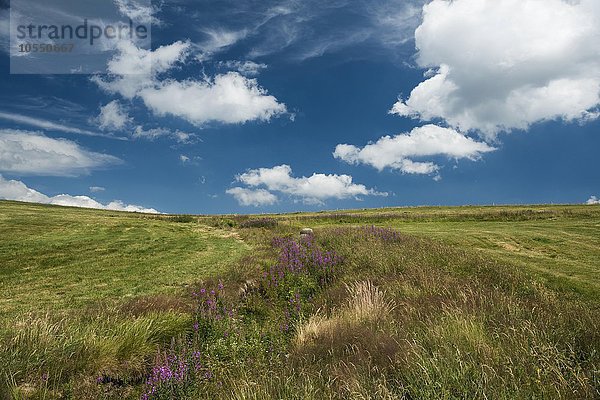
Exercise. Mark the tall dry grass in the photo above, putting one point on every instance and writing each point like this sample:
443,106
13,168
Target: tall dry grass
462,326
366,305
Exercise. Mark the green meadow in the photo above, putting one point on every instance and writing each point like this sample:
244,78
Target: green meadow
400,303
560,243
58,259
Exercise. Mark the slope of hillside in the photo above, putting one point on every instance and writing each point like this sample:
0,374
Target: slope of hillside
60,258
464,302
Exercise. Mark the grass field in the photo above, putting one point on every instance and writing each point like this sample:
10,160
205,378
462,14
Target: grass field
448,302
566,253
560,243
56,258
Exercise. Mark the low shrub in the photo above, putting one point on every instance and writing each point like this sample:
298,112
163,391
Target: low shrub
259,223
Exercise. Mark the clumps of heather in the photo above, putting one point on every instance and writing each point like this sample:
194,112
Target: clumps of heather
174,372
368,232
211,303
182,369
379,233
302,270
259,223
347,237
254,328
302,258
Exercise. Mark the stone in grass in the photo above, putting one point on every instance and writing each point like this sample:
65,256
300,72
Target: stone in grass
306,232
250,286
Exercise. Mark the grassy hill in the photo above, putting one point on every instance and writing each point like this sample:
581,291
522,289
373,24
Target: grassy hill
428,302
59,259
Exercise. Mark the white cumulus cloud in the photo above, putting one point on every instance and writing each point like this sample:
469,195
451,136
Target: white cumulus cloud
252,197
17,190
113,116
314,189
133,69
499,65
397,152
593,200
229,98
31,153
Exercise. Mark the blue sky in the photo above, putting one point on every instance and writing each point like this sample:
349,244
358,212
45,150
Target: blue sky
276,106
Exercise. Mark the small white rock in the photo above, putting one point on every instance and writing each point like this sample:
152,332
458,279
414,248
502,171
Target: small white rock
306,231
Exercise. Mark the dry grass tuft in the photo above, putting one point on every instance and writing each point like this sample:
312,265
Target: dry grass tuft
353,331
367,303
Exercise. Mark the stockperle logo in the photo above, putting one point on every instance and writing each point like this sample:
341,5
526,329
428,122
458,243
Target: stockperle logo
75,37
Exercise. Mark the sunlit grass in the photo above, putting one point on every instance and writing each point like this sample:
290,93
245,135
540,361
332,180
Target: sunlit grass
55,258
453,303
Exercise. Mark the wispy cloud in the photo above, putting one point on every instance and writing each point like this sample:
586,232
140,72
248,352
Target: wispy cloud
309,28
31,153
246,68
4,29
139,11
51,126
218,40
60,107
155,133
189,160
